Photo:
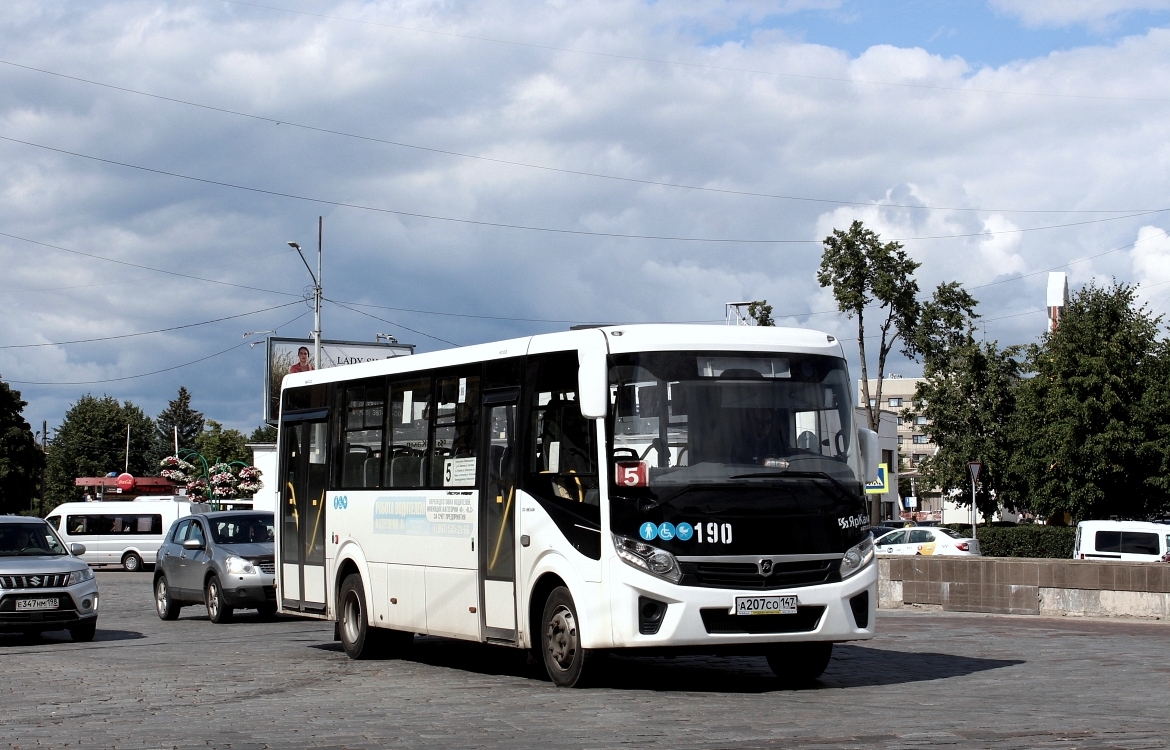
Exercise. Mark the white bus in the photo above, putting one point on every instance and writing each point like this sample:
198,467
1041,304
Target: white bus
126,533
663,487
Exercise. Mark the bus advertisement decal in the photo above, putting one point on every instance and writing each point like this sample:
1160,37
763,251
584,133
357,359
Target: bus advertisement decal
444,516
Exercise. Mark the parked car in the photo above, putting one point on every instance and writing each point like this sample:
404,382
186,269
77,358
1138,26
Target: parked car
44,585
224,561
1137,541
925,541
125,533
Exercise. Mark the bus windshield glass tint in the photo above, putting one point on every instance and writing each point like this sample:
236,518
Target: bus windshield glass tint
685,418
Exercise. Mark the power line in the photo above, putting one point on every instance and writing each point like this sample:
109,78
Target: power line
705,66
391,322
147,268
552,230
153,372
1163,233
148,333
561,170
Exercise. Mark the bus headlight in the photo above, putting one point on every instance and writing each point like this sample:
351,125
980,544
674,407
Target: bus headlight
657,562
857,557
238,566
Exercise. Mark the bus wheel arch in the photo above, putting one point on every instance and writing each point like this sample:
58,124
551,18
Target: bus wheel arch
544,586
345,569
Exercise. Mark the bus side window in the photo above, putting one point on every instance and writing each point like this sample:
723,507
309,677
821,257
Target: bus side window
562,447
453,447
362,420
409,432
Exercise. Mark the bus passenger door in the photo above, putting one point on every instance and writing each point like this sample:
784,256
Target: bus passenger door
498,504
302,514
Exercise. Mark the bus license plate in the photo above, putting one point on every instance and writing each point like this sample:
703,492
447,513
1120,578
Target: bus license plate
765,605
26,604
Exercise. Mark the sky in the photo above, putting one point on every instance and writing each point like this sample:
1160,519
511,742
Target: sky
494,169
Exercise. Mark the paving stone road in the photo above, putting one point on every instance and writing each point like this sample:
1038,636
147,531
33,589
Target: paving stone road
929,680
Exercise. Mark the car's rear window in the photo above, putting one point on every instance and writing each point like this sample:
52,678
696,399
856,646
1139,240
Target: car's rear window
949,532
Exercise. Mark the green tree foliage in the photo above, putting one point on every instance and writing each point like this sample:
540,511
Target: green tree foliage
91,442
180,415
862,270
1022,541
265,433
967,397
218,445
761,312
1089,433
21,460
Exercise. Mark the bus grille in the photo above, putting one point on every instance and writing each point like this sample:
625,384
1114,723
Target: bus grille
719,620
49,581
747,575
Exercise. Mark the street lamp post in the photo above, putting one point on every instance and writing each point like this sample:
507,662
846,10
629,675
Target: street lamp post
973,467
316,295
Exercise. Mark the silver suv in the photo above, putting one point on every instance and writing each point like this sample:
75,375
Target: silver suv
223,560
43,584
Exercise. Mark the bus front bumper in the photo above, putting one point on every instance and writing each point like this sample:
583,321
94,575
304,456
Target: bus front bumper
693,616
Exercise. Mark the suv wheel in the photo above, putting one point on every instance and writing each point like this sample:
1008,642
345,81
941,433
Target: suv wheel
167,608
83,632
217,609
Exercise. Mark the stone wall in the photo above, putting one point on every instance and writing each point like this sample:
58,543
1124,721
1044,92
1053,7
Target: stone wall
1013,585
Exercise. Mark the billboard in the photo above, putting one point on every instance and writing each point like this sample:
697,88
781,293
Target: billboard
287,356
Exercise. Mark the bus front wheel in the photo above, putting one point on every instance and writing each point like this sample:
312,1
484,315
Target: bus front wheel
568,664
799,664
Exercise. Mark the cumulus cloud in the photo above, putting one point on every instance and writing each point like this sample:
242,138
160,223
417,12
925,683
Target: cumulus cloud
1092,13
930,164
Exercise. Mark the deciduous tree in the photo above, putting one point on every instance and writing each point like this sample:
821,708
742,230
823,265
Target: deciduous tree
218,445
1090,435
91,441
21,460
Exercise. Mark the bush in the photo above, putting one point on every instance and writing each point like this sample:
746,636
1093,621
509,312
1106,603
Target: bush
1022,541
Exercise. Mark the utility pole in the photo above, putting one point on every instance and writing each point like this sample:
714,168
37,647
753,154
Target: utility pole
317,303
127,467
176,441
316,294
45,455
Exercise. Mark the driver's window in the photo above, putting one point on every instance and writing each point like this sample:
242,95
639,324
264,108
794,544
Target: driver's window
180,532
896,537
196,532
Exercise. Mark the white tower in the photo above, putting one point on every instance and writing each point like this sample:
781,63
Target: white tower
1057,297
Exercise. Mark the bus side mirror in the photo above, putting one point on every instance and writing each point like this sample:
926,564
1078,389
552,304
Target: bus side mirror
870,453
592,387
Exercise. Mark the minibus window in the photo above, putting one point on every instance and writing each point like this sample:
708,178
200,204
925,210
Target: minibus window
1139,543
1107,541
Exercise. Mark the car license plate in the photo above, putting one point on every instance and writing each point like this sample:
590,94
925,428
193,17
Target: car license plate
26,604
765,605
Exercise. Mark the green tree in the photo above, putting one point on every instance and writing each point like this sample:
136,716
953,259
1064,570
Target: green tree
265,433
219,445
862,270
91,441
21,460
1089,434
761,312
178,416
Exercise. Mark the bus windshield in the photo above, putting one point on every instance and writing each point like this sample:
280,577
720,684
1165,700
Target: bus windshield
695,418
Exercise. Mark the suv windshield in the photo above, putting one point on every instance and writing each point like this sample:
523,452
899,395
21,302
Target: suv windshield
29,539
684,418
254,528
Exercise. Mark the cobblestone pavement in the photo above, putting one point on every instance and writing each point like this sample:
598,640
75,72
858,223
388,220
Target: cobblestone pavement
929,680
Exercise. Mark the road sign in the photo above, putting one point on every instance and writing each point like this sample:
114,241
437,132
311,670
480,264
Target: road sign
911,502
974,467
881,485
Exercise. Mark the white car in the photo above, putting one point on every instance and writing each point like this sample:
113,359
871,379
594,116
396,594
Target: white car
935,540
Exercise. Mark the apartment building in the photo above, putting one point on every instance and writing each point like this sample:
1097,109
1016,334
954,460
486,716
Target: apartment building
913,443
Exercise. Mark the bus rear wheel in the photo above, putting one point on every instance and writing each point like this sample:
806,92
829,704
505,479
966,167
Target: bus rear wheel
799,664
568,663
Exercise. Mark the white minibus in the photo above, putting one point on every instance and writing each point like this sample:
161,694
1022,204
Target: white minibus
125,533
1134,541
649,488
